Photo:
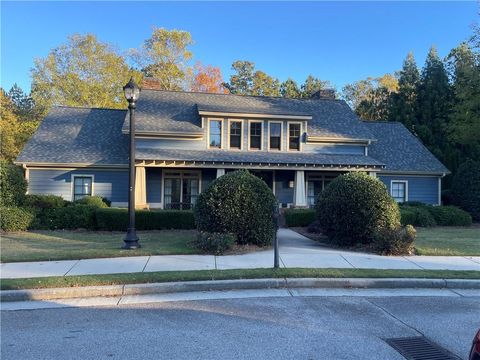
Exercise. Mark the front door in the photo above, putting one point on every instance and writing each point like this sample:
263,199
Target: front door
181,189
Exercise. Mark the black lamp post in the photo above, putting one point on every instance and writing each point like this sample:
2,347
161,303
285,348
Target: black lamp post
132,92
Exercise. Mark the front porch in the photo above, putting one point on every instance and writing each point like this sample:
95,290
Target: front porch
178,188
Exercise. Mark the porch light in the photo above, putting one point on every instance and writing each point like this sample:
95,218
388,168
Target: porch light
131,91
291,184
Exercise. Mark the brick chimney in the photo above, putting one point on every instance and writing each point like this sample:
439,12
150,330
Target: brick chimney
324,94
151,83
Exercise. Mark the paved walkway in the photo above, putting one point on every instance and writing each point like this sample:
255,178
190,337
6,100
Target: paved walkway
295,251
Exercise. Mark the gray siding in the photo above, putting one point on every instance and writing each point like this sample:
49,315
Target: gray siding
170,144
111,184
420,188
153,184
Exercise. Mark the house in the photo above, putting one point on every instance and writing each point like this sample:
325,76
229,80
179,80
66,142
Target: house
184,140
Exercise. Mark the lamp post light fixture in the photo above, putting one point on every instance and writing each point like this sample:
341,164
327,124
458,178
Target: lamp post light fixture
132,92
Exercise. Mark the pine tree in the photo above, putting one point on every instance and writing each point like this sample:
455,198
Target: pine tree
403,104
289,89
433,105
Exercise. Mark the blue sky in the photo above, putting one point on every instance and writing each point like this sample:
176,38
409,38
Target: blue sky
341,42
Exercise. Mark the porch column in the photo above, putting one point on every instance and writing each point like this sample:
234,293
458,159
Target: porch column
372,174
140,187
220,172
300,198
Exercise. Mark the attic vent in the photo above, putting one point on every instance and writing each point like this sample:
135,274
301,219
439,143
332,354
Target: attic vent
420,348
324,94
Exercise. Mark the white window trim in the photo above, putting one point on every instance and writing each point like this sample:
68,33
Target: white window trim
222,145
281,135
241,134
288,136
72,184
399,181
182,172
261,136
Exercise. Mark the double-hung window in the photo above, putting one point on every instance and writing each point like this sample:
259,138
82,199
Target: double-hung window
235,135
82,186
215,134
181,189
275,135
398,190
294,131
256,135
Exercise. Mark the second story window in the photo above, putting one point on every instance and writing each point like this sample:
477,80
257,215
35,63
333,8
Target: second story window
294,136
275,136
236,135
256,135
215,140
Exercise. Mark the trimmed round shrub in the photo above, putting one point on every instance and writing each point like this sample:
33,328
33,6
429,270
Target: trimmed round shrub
95,201
466,188
212,243
15,219
395,241
423,217
450,216
238,203
13,185
44,201
354,207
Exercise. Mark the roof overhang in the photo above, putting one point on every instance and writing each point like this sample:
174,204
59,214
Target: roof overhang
70,165
166,134
414,173
323,139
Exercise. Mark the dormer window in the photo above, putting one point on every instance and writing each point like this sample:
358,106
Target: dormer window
235,134
215,134
256,135
275,136
294,131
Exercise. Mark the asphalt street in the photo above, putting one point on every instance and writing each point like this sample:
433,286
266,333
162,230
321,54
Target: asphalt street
249,328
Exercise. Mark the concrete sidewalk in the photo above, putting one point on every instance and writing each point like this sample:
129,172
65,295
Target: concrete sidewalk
295,251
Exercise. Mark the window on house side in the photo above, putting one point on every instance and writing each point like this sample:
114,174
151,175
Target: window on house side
294,137
399,191
215,133
236,135
256,136
275,136
82,186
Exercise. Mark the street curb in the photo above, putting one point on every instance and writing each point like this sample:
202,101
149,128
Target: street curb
225,285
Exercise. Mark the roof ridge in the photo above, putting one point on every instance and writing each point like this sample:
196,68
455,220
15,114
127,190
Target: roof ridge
240,95
85,108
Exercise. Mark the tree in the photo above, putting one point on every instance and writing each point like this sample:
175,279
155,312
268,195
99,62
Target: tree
370,98
15,133
208,79
264,85
82,72
433,104
312,85
403,105
289,89
166,56
464,122
24,106
241,82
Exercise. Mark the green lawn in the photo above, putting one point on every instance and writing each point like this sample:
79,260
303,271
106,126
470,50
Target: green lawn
67,245
169,276
448,241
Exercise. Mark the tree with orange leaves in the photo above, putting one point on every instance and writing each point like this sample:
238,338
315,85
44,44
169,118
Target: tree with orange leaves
208,79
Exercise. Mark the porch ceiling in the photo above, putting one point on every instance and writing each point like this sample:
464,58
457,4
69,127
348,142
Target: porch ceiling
173,157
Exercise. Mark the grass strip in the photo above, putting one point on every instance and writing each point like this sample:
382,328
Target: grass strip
172,276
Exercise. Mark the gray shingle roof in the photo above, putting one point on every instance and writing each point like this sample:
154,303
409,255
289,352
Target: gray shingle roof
78,135
400,150
170,111
255,157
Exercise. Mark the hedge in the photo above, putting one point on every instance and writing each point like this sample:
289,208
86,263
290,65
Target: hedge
69,217
466,188
44,201
354,207
299,217
427,215
96,201
15,219
116,219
